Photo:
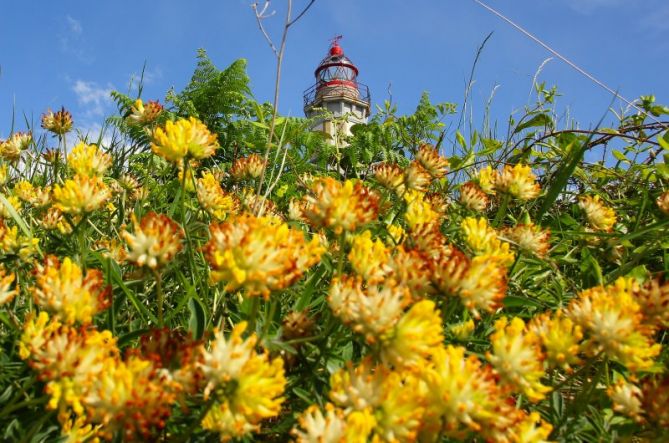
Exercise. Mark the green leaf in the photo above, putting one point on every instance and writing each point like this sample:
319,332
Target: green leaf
141,309
197,320
663,140
565,171
620,156
662,170
490,145
514,301
127,338
537,120
460,139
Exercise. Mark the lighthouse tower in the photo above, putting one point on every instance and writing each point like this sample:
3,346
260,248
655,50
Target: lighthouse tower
338,92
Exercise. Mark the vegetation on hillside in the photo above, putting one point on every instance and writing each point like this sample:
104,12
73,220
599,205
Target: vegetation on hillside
187,280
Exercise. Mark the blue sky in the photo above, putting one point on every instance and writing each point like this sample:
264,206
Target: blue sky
73,53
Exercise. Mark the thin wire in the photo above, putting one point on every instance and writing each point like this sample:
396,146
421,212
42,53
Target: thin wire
566,60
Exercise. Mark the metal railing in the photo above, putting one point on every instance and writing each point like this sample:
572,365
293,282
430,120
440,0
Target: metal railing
312,94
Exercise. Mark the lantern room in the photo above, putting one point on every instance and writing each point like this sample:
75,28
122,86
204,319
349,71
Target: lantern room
337,91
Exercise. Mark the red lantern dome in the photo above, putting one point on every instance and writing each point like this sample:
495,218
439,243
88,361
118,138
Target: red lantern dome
336,77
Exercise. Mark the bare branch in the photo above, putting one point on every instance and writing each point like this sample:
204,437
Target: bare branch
299,16
260,16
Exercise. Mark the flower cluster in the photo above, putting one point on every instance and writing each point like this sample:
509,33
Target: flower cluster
184,138
250,167
340,206
259,254
245,386
59,123
155,241
144,113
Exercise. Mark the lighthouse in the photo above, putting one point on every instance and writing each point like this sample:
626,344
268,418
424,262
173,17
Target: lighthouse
337,100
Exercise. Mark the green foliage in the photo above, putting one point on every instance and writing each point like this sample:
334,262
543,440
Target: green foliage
626,166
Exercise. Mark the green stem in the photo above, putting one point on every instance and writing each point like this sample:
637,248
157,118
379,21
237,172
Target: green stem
515,263
255,306
501,212
24,404
269,317
81,239
56,159
160,297
342,255
187,435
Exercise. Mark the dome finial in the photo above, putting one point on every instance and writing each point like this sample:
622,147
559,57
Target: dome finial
335,49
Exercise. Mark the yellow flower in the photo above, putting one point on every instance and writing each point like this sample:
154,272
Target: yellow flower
340,206
63,288
69,360
626,398
599,216
463,330
11,243
530,238
213,198
12,148
560,338
79,430
653,298
260,254
369,258
252,202
81,195
131,398
88,160
429,158
316,427
360,387
41,197
155,242
419,211
486,179
412,268
396,235
188,182
185,137
518,181
484,241
415,337
518,358
387,403
359,426
416,178
296,210
483,286
142,114
248,385
612,319
390,176
59,123
655,397
464,394
247,167
373,311
112,249
663,202
24,190
400,412
6,280
14,202
53,220
472,197
3,173
530,429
